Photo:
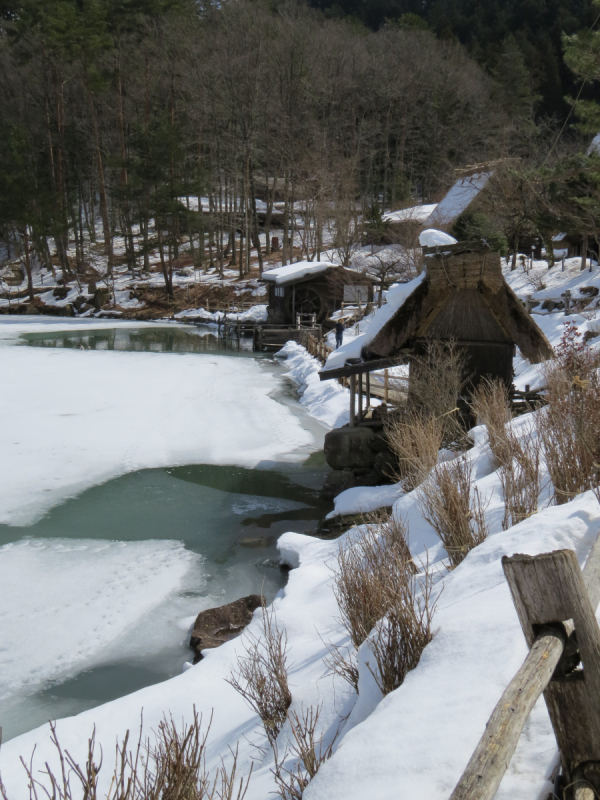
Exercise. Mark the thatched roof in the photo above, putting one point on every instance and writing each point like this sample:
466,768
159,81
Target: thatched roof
464,297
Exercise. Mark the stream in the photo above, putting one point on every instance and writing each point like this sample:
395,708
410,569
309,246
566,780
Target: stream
228,517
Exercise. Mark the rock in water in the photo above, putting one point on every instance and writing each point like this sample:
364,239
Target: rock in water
215,626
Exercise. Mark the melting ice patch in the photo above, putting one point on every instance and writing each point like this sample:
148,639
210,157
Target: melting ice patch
65,604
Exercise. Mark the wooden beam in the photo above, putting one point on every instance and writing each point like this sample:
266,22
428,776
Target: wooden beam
551,588
548,627
360,396
364,366
489,762
352,401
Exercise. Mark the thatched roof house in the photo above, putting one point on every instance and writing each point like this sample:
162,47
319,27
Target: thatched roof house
461,296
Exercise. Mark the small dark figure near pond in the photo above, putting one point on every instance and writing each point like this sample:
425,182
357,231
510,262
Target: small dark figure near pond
339,333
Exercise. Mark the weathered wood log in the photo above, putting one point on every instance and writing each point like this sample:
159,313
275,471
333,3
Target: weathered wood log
489,762
548,625
550,588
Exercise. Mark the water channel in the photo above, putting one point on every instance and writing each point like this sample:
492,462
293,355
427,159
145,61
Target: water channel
229,516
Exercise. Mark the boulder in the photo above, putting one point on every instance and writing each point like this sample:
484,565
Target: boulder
31,309
215,626
101,297
336,482
385,464
348,448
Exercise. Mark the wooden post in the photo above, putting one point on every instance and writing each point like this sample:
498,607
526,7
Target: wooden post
368,380
385,386
555,603
360,396
352,401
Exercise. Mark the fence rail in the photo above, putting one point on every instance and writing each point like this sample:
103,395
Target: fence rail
556,604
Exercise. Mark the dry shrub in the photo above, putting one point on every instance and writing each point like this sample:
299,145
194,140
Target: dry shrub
437,379
307,749
415,439
569,427
520,475
453,509
375,578
491,407
261,677
368,568
174,769
403,634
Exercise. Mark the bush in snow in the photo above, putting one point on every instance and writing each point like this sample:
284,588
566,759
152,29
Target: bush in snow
518,456
437,379
261,675
173,767
491,408
380,599
308,752
453,510
415,439
570,426
520,475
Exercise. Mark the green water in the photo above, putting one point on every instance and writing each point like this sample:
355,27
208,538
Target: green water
230,516
159,338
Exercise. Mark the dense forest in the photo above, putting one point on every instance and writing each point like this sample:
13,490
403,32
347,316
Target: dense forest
495,33
116,109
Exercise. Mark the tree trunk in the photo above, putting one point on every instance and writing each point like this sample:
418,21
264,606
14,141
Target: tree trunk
584,249
28,265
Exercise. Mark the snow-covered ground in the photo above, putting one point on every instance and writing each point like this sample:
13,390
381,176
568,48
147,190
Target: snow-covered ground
415,742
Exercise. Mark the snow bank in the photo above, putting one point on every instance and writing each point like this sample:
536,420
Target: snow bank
363,499
63,603
327,401
256,313
73,419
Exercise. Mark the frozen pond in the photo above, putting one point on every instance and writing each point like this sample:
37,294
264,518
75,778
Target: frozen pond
115,575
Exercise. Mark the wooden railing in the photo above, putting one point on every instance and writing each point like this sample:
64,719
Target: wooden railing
556,604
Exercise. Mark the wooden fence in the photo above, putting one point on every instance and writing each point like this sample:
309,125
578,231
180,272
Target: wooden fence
556,603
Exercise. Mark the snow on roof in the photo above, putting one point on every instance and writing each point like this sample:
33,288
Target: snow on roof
416,213
396,297
432,238
458,198
295,272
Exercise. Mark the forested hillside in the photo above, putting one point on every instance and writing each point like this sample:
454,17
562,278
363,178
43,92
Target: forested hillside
499,34
116,109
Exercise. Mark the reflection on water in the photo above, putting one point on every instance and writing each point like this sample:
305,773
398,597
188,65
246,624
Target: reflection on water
159,339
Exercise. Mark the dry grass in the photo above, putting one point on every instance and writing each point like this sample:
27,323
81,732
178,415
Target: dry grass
569,428
453,509
308,750
415,438
403,634
368,568
437,380
491,407
174,769
520,475
380,598
261,677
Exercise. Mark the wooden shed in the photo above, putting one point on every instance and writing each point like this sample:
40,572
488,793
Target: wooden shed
310,288
462,297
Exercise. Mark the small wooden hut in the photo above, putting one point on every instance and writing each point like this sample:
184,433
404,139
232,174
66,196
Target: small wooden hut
463,297
312,289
